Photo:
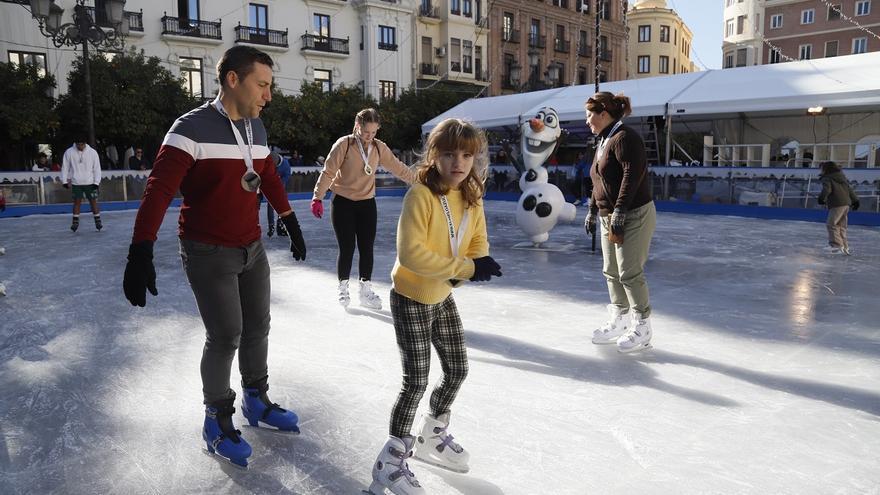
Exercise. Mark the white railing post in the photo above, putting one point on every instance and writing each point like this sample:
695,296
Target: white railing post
765,155
708,149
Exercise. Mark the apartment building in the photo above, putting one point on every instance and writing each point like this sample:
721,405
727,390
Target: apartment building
808,29
332,42
659,41
451,43
538,44
743,33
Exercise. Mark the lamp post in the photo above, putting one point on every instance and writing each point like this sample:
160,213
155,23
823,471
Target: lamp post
82,31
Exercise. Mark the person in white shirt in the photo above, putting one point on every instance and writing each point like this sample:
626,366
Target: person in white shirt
81,168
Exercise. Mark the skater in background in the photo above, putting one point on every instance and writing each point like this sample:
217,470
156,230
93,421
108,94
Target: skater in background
81,168
441,241
622,203
839,197
220,246
582,186
282,167
350,172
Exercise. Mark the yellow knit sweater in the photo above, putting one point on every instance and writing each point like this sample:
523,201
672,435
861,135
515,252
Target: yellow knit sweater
425,263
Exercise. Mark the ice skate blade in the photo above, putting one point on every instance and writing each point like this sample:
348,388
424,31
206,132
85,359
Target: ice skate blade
605,342
265,426
640,348
434,463
234,463
375,488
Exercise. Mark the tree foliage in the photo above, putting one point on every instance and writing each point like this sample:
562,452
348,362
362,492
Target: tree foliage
135,100
26,112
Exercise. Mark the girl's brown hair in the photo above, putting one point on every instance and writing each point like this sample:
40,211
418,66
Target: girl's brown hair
618,106
826,168
453,135
366,116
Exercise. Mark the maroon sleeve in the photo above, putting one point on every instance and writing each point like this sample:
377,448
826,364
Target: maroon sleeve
168,172
271,185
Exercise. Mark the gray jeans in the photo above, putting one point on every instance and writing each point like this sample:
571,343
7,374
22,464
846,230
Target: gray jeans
231,286
836,224
624,264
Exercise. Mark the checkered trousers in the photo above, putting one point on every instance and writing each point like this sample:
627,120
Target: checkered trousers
418,326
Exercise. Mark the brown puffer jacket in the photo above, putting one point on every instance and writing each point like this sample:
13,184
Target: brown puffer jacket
836,190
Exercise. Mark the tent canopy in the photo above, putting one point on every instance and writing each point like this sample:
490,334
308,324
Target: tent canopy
846,82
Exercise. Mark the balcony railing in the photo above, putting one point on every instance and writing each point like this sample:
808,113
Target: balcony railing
388,46
605,55
429,11
429,69
536,41
260,36
324,43
481,75
191,27
455,11
135,19
467,13
507,83
511,36
467,69
585,51
483,22
560,45
455,66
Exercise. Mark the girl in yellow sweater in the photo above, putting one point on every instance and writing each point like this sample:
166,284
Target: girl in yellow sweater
441,241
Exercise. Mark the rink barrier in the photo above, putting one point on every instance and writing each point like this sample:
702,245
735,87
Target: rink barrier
765,212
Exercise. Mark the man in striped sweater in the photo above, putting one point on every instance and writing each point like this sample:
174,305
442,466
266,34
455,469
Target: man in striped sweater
217,156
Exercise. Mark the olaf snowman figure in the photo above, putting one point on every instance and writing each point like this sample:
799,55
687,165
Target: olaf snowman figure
542,204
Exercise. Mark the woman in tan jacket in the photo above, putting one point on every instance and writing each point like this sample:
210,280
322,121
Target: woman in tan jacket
349,171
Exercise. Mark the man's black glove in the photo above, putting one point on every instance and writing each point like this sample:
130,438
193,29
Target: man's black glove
297,244
65,185
820,200
590,222
618,218
140,274
855,205
485,268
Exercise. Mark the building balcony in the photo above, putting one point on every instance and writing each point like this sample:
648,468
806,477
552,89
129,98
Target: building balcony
510,36
191,29
135,19
562,46
508,83
482,75
455,11
392,47
605,55
482,22
260,36
455,66
585,51
429,14
536,41
429,69
467,69
324,44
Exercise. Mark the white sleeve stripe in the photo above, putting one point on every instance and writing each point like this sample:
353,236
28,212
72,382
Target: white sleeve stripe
182,143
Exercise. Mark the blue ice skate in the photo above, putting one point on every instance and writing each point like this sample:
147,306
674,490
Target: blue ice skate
257,408
220,435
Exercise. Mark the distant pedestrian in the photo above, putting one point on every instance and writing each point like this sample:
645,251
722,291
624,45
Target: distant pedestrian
81,168
839,197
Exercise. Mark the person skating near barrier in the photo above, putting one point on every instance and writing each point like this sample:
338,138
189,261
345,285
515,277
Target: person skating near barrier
838,195
350,172
81,172
621,202
217,156
441,241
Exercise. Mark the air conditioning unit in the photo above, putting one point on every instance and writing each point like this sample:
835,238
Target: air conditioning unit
440,51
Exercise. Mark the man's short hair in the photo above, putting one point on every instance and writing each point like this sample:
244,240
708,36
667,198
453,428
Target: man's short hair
241,60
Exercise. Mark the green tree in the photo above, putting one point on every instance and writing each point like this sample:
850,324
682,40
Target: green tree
135,100
26,114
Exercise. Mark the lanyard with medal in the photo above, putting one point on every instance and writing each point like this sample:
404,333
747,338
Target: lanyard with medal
365,154
250,181
600,151
455,238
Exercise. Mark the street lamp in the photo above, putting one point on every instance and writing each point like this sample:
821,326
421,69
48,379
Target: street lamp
83,30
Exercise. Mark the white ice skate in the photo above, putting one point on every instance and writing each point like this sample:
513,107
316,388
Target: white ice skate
344,298
2,289
638,338
832,250
369,299
617,325
391,472
436,446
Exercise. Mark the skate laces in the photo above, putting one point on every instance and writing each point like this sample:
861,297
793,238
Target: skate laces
446,440
402,467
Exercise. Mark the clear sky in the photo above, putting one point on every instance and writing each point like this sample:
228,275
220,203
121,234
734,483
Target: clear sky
704,18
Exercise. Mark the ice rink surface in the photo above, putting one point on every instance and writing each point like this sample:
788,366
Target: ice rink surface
764,377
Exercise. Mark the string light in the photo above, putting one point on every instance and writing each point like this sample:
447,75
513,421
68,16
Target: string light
849,19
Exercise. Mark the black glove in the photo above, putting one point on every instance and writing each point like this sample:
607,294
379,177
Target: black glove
820,200
484,269
855,205
140,274
65,185
590,222
297,244
618,218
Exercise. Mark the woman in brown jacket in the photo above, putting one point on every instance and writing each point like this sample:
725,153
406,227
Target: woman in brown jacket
622,203
839,196
349,171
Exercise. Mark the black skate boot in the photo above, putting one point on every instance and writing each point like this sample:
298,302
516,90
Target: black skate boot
75,224
98,224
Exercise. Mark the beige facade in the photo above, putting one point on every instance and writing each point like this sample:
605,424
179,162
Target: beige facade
743,30
659,41
548,43
451,42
